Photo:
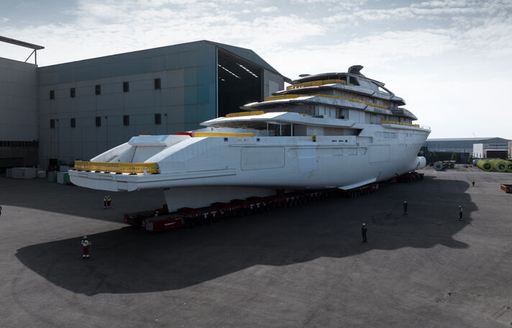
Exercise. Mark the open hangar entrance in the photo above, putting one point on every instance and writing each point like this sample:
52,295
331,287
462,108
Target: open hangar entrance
239,83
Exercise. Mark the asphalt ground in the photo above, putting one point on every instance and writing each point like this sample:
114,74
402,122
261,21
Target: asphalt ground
296,267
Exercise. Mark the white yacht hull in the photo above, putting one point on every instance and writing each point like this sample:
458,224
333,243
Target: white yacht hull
269,163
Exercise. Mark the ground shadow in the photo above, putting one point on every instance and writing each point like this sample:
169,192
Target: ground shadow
132,261
39,194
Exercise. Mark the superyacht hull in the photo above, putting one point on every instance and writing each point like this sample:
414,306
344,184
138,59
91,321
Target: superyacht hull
268,162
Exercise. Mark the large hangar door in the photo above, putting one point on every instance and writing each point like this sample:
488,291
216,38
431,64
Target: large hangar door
240,82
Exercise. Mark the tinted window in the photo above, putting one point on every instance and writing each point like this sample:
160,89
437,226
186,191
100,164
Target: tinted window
353,81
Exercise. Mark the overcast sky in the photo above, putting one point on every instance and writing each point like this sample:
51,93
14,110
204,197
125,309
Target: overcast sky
450,60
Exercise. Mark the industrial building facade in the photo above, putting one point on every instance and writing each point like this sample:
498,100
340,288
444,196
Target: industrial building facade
464,150
18,109
80,109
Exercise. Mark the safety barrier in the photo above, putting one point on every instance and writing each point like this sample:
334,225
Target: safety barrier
399,123
314,84
222,134
295,95
238,114
286,96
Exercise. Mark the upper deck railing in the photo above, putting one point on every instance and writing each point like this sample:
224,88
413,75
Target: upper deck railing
314,84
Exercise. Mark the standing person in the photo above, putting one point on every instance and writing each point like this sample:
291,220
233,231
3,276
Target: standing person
109,201
0,210
473,183
460,212
363,232
404,205
105,201
86,254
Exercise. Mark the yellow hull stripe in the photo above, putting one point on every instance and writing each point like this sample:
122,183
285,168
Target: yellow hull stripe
132,168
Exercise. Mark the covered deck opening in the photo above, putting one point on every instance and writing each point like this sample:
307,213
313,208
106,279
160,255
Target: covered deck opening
239,83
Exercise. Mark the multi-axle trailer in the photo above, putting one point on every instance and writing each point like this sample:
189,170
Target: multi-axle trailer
161,219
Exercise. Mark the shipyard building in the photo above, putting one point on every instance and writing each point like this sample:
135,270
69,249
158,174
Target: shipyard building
464,150
57,114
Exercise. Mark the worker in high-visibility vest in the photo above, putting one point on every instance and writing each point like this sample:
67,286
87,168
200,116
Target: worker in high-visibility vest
105,201
86,254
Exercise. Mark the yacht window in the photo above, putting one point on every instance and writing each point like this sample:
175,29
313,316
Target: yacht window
353,80
238,124
286,130
342,114
381,89
299,130
279,129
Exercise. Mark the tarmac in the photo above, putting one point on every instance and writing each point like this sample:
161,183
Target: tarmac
296,267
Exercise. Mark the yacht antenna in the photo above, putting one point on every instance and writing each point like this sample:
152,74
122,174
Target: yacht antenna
355,69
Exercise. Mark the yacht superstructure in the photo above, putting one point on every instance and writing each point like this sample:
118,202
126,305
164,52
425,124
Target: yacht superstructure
339,130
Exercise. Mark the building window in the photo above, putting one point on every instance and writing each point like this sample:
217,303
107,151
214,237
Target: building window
98,120
52,124
158,119
158,84
126,86
97,89
126,120
72,122
72,92
52,94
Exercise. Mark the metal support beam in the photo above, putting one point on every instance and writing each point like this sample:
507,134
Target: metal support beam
35,47
33,51
20,43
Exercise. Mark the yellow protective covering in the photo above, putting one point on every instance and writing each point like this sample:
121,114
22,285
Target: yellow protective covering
132,168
